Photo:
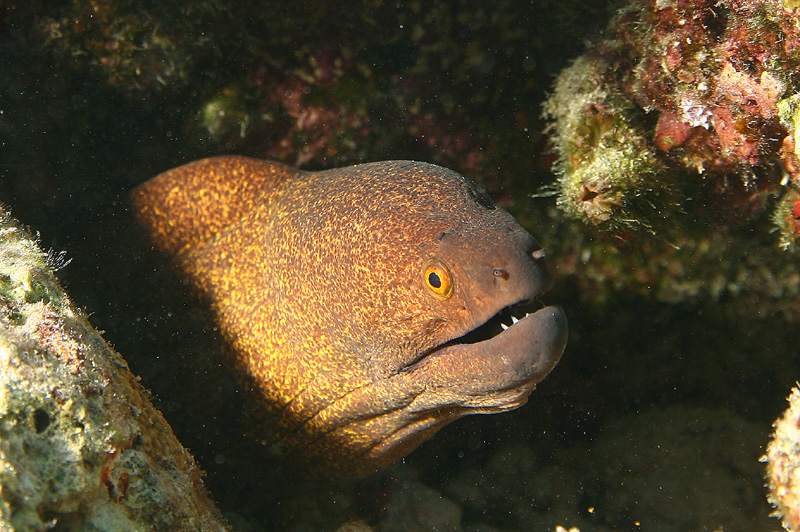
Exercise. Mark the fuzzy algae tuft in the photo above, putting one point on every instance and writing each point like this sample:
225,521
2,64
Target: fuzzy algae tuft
25,270
81,446
787,220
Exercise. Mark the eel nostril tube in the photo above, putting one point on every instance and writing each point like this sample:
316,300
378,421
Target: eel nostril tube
539,254
500,273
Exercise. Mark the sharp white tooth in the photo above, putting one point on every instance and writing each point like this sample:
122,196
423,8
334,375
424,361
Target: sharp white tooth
514,320
504,326
527,314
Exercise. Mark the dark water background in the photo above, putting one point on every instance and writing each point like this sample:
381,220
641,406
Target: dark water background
659,409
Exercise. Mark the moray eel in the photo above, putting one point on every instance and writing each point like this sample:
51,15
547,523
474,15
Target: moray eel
369,305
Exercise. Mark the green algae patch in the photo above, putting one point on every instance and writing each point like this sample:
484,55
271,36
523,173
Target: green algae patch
609,173
25,270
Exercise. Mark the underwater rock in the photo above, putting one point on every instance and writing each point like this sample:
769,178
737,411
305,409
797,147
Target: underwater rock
517,488
355,526
81,445
609,169
783,465
679,100
787,219
417,508
677,468
664,469
314,84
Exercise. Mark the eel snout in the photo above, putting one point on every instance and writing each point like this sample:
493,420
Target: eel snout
513,344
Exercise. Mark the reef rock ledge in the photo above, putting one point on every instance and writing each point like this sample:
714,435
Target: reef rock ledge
81,445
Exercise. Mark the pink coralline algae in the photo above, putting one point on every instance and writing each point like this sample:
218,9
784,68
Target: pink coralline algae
681,99
327,107
297,118
320,129
459,144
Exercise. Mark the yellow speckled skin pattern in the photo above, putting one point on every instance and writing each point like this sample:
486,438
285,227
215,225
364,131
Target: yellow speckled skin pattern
316,281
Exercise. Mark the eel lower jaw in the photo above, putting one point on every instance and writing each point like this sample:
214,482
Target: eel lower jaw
494,367
486,371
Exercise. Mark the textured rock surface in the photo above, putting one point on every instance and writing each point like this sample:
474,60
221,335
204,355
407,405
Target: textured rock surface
663,469
81,445
677,90
783,465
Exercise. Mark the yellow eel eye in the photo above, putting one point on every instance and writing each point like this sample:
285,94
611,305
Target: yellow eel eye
437,279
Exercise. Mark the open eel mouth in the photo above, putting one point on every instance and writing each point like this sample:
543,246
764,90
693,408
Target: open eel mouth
500,322
496,365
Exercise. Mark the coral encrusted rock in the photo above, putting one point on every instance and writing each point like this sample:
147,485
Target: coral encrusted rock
681,106
783,465
81,445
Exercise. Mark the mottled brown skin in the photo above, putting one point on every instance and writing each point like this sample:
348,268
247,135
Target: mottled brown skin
316,283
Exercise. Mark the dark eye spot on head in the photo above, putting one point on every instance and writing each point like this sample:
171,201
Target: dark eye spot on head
434,280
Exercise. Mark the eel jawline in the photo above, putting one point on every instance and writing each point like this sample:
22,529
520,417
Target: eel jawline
498,373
